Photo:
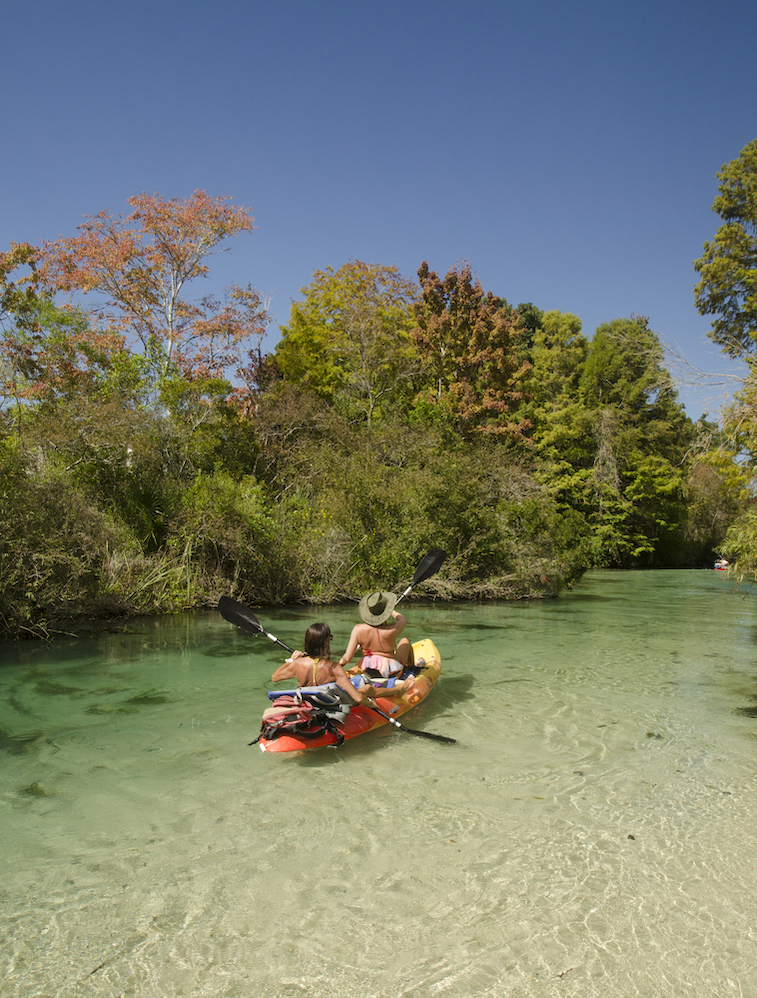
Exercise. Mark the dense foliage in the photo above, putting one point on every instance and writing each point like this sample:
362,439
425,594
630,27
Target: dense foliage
727,290
151,458
728,265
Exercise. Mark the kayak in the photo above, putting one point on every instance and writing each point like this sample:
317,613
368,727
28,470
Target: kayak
363,719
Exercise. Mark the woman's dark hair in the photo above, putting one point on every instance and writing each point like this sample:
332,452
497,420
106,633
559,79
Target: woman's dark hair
318,641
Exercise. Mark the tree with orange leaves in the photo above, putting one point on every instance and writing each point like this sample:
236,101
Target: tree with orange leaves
468,340
140,265
45,351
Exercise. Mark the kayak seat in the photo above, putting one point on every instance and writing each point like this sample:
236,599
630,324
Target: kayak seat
328,696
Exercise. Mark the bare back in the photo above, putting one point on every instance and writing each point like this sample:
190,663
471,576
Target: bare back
379,640
315,672
312,672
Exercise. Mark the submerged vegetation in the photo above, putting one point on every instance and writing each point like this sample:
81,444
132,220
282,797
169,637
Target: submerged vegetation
153,459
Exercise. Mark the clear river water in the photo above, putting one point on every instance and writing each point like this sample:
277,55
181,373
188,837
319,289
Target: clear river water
593,832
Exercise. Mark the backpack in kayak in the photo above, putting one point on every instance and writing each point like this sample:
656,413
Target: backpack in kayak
304,716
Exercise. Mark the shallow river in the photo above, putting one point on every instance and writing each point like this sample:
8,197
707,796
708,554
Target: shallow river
593,832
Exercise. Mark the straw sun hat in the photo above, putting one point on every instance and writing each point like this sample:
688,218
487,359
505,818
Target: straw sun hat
376,607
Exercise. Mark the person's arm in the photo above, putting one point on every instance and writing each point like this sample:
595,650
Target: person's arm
342,681
351,648
400,622
287,670
399,689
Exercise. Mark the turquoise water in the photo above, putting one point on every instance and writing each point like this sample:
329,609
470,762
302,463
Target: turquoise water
591,833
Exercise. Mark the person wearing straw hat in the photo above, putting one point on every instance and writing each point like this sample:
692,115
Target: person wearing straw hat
383,656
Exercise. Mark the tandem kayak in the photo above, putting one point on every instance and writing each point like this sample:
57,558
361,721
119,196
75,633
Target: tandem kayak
359,720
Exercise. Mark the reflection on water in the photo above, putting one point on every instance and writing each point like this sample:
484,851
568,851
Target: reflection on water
589,835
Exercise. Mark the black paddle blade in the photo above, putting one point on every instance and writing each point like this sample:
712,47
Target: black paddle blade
430,565
412,731
242,616
237,613
429,734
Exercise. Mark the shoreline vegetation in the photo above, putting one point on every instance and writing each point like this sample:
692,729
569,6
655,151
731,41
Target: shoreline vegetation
153,459
71,562
86,544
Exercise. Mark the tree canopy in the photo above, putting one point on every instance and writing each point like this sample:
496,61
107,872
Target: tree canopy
395,416
140,265
348,339
728,265
468,340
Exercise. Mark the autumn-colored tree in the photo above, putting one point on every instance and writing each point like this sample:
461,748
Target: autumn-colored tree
468,340
348,340
46,352
140,265
18,293
19,305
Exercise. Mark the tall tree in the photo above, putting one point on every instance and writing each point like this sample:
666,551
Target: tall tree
140,265
468,340
19,293
641,436
348,339
728,266
19,307
560,421
558,354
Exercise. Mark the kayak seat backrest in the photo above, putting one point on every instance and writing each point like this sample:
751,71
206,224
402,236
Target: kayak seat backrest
326,696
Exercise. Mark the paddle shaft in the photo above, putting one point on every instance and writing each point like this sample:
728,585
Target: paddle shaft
412,731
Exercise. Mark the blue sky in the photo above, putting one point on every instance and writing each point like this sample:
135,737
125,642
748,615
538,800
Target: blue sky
567,151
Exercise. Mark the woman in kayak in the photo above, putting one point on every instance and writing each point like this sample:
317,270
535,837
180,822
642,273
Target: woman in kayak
382,655
314,667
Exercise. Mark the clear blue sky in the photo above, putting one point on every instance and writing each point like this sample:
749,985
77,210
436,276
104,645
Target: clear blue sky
567,151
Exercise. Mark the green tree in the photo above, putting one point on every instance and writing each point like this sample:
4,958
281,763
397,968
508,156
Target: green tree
641,436
732,461
624,368
58,375
19,293
561,424
610,436
717,496
20,300
728,266
348,339
558,354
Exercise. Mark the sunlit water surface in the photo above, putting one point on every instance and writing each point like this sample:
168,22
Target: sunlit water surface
593,833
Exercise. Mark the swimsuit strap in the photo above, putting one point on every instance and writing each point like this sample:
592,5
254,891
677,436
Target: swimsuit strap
386,654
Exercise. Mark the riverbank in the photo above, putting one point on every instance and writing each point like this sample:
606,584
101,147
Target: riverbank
111,616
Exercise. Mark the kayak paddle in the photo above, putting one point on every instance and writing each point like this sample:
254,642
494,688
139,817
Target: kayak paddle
428,567
413,731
